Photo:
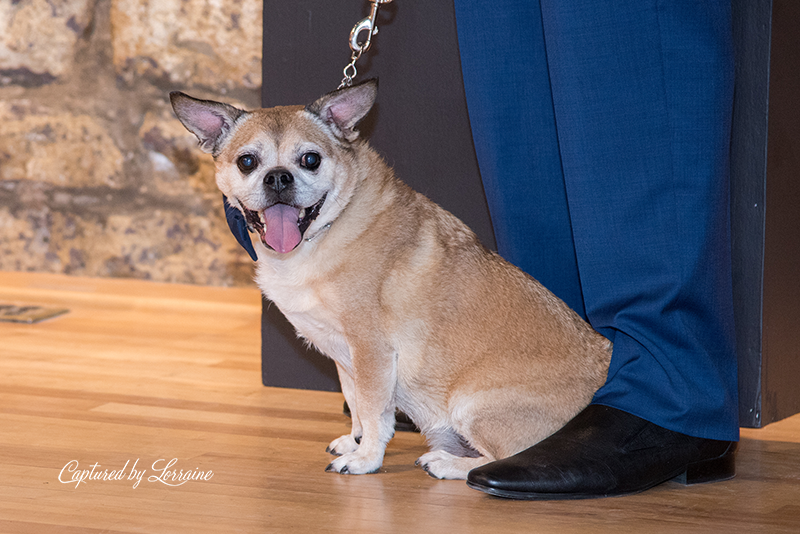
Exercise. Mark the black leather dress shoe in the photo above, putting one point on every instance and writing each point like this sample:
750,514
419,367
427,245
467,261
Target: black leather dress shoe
605,452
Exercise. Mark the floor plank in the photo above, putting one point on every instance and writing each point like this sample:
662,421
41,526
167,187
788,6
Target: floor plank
143,373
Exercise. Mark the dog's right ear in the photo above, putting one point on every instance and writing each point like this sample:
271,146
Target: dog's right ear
210,121
344,108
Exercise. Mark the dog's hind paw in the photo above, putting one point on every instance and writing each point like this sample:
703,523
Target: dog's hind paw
343,445
442,464
354,464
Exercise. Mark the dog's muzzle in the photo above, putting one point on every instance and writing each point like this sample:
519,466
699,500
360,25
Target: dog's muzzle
282,226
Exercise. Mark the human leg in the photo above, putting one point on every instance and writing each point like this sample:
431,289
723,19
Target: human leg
513,126
641,95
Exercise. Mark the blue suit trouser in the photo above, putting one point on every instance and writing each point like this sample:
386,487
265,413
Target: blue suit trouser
602,133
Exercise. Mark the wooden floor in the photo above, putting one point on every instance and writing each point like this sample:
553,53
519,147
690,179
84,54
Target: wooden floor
143,373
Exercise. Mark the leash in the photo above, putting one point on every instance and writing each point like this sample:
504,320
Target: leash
356,46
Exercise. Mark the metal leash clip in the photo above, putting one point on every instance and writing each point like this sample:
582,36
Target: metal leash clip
358,47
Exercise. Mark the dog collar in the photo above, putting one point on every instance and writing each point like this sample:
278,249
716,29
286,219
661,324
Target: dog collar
317,234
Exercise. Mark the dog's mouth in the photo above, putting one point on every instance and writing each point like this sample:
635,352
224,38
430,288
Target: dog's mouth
281,226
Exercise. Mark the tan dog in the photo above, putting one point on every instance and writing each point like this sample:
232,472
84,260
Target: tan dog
397,291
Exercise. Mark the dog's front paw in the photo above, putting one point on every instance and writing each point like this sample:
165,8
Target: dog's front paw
442,464
343,445
354,464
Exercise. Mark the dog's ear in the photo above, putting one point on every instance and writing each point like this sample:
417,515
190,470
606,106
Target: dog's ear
344,108
210,121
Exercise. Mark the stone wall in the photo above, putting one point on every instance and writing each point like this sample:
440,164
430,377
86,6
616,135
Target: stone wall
97,177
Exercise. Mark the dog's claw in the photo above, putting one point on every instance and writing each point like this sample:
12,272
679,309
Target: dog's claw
427,468
331,469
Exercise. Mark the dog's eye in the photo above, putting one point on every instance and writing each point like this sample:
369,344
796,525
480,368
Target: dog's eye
310,161
247,163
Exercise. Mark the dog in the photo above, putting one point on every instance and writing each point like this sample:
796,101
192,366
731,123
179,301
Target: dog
416,313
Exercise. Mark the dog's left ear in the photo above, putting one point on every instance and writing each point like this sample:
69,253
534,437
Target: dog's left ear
344,108
210,121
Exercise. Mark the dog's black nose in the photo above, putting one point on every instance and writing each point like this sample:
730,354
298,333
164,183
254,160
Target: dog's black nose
278,179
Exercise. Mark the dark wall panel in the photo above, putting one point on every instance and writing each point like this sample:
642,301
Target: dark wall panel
781,319
751,23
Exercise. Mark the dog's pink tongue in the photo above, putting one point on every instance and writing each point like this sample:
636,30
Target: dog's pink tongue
281,231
